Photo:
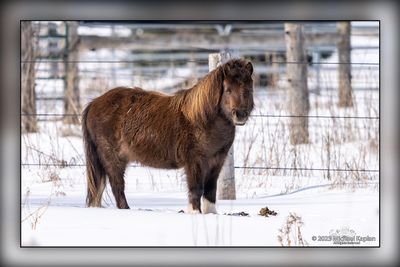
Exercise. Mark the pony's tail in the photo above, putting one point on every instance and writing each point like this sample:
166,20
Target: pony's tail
95,172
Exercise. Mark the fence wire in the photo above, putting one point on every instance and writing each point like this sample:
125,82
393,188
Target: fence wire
255,115
65,165
199,61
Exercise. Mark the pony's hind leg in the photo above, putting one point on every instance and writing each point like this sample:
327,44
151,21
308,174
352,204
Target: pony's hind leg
118,187
115,169
117,182
94,199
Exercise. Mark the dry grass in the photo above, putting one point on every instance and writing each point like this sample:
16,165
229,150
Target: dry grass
290,233
336,143
33,216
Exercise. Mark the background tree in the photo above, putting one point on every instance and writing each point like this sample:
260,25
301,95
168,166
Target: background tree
296,72
28,95
71,96
344,73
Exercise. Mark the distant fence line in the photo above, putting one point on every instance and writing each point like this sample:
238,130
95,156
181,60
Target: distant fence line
255,115
64,165
202,61
350,169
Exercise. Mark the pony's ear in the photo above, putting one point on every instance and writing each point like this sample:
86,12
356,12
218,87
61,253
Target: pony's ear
226,69
249,68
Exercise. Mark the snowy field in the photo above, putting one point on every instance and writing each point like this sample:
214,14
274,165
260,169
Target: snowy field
325,193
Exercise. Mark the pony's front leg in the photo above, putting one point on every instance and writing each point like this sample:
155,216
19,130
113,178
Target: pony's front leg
210,189
195,182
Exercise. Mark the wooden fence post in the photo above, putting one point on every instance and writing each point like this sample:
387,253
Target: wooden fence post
226,181
28,95
296,72
344,68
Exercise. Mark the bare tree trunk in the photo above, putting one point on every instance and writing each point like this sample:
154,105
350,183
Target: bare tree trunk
344,50
317,59
226,180
53,49
28,95
299,104
192,65
71,95
275,67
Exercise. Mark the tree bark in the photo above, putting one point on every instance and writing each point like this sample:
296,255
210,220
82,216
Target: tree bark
28,94
344,73
226,180
275,65
53,49
299,104
71,92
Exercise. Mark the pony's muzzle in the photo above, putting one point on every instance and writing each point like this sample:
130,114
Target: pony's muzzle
240,116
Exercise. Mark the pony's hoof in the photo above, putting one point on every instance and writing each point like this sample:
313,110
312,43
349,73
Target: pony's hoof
193,211
208,207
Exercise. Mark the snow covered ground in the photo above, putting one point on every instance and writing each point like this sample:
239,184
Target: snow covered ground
66,222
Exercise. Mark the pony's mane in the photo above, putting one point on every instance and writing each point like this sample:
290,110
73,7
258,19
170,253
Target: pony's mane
201,102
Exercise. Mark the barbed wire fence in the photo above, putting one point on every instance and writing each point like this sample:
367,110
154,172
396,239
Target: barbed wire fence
65,164
376,118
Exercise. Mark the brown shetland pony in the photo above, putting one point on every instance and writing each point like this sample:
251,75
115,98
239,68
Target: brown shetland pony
192,129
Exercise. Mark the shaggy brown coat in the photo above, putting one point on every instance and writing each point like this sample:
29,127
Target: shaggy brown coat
192,129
